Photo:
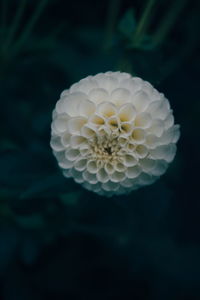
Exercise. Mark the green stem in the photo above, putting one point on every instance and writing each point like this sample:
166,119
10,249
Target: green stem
29,27
16,22
168,21
113,11
144,22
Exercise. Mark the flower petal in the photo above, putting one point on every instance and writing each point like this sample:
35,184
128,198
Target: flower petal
141,101
120,96
98,95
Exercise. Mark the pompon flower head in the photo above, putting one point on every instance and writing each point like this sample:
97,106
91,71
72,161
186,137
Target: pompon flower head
113,133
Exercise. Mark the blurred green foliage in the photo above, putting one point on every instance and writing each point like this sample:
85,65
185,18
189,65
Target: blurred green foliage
57,240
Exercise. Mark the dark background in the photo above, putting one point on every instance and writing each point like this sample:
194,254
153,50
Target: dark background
58,241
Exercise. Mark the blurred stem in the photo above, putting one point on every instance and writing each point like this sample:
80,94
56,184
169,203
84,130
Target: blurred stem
49,40
29,27
112,13
190,44
168,21
16,22
144,22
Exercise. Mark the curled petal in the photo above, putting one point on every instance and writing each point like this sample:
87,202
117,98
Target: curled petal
64,93
106,109
75,124
62,161
133,172
110,186
107,82
56,143
126,128
66,164
127,183
120,167
143,120
157,128
146,179
138,135
71,102
169,120
165,152
147,164
97,120
117,176
91,178
72,154
133,85
86,108
159,168
127,112
171,135
60,123
159,109
129,160
92,166
121,76
141,101
98,95
113,123
77,175
80,164
67,173
120,96
141,151
84,85
66,139
109,168
102,175
77,140
88,131
152,141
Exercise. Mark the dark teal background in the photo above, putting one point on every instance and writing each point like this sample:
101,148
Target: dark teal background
58,241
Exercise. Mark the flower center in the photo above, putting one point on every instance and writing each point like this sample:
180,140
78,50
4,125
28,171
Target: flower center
105,148
108,150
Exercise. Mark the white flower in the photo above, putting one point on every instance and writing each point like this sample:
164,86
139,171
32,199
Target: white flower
113,133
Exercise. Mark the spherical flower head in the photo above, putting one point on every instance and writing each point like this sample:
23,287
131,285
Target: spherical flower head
113,133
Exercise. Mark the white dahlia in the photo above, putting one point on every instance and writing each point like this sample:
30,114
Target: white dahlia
113,133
